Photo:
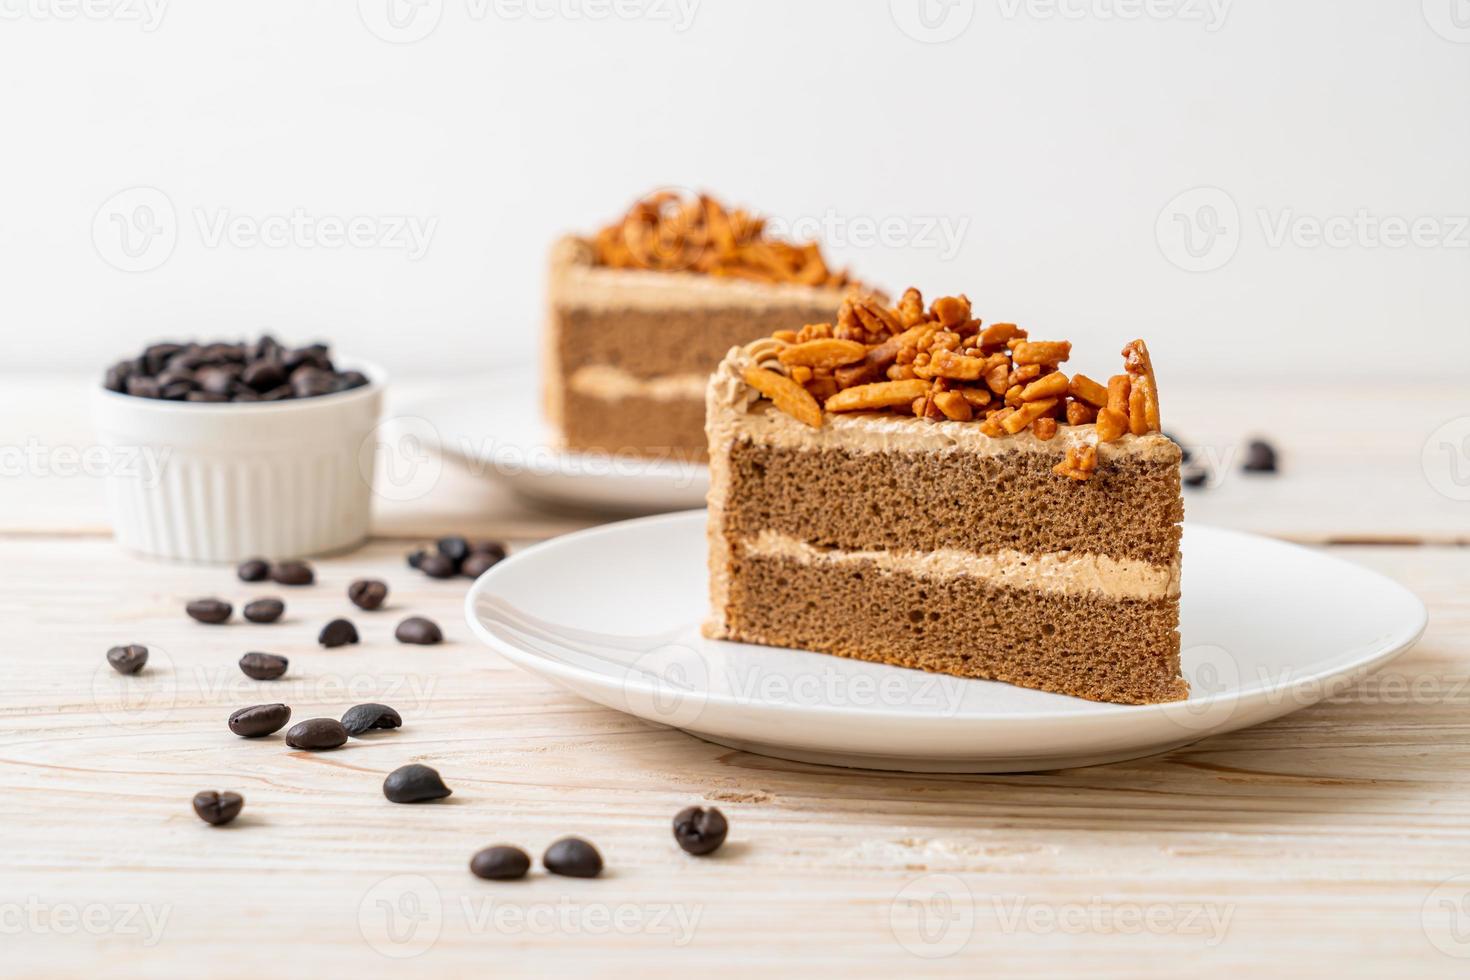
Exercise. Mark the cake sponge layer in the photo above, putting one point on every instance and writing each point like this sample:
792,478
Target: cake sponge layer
650,343
1088,646
928,501
655,428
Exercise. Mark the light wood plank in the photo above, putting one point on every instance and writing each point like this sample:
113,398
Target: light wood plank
1321,836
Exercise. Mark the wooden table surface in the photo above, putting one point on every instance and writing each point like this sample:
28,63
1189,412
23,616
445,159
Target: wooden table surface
1335,841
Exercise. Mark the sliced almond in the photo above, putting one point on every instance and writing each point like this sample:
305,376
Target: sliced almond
880,394
786,395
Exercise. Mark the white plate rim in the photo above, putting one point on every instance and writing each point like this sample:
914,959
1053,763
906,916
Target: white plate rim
1092,713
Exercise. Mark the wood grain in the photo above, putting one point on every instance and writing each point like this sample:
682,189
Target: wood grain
1314,841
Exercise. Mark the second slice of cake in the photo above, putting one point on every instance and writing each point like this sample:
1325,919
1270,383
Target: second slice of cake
640,314
911,487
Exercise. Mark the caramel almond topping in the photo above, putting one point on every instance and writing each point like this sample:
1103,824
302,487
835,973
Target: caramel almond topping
786,394
937,363
881,394
829,353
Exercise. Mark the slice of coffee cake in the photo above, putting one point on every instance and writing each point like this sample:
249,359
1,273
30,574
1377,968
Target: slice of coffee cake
641,314
911,487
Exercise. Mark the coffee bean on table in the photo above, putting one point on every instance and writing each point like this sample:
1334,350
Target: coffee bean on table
365,717
700,831
129,659
367,593
419,631
259,720
478,563
211,611
1260,457
292,573
1196,475
573,857
264,610
337,633
316,734
263,666
436,565
254,570
414,784
218,808
454,548
416,557
500,863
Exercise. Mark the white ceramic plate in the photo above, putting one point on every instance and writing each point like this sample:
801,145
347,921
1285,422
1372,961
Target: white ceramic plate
499,431
613,614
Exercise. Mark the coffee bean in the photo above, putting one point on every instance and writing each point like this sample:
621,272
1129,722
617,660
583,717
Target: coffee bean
259,720
416,557
337,633
129,659
573,857
436,565
117,376
258,371
218,808
367,593
254,570
488,548
316,734
454,548
292,573
478,563
362,718
156,356
264,375
414,784
419,631
264,610
211,611
217,380
500,863
700,831
263,666
1196,476
1260,457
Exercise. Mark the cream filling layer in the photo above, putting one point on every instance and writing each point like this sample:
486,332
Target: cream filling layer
1058,572
611,383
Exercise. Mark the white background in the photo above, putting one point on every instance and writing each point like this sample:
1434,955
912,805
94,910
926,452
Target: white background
1050,138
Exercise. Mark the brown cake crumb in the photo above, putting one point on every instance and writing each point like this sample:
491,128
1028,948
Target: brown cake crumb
672,232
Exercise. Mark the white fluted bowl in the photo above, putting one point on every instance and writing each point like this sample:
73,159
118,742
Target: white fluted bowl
208,482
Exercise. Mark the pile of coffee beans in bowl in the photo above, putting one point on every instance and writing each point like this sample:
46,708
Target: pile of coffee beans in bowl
261,371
